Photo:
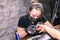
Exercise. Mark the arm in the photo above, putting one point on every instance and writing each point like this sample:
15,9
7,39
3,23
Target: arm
53,32
21,27
57,26
21,32
41,29
48,23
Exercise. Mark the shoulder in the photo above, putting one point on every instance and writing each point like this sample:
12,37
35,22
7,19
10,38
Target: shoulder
22,21
24,17
43,18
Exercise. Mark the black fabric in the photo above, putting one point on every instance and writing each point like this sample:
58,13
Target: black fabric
47,8
24,21
57,20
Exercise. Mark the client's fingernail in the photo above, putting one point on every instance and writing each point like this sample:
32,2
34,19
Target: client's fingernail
40,31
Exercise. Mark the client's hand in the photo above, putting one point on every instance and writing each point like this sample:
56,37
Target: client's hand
40,28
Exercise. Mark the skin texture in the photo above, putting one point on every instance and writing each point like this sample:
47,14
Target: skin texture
21,32
57,26
53,32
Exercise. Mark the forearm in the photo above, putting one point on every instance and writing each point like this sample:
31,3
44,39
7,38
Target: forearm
57,26
21,32
54,33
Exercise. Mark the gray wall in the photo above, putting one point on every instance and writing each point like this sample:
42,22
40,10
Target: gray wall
10,11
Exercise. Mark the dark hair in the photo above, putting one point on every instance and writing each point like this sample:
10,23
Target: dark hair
36,6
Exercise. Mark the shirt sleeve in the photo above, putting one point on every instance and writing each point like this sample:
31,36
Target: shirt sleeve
21,22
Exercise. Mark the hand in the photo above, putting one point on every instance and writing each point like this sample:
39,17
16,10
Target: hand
40,28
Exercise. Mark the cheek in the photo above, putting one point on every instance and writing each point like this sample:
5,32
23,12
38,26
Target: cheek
31,15
40,15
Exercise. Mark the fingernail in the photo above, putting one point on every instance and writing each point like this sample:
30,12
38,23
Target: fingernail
40,31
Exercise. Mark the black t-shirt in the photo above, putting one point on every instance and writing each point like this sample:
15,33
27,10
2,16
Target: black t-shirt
24,21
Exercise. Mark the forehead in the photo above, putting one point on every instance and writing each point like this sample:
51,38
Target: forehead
36,11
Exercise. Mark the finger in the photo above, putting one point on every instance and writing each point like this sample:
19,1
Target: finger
38,25
39,28
40,31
